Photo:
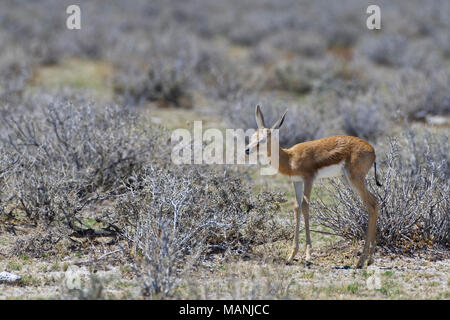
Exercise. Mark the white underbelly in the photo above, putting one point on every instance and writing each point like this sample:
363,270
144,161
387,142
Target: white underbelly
333,171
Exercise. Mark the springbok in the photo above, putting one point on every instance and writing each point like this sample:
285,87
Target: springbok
336,156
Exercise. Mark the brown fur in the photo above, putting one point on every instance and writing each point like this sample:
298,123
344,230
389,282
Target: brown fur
307,158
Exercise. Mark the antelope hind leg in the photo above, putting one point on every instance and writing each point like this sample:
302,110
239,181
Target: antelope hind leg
298,186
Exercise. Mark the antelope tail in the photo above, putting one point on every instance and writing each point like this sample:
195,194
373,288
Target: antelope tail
376,178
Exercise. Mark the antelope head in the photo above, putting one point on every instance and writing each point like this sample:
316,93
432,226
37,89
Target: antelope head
261,140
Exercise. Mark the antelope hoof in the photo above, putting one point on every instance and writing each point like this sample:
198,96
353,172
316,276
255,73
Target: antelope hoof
360,263
308,260
308,253
292,256
289,260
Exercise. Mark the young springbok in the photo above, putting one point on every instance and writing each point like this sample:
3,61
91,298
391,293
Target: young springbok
346,156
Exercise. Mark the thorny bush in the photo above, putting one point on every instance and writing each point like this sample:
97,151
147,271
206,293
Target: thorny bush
414,200
175,218
71,155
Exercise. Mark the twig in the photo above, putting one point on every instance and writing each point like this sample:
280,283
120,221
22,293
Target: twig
99,258
108,253
324,232
329,233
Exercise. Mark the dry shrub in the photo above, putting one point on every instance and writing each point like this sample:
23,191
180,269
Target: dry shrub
362,117
311,76
71,155
219,77
161,70
14,72
386,50
417,94
307,44
175,218
37,244
414,200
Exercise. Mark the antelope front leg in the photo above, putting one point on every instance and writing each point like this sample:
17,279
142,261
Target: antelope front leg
298,186
305,210
295,241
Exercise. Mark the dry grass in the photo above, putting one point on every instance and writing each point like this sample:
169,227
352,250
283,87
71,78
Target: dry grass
263,275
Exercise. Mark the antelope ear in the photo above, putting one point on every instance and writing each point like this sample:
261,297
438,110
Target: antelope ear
280,121
259,117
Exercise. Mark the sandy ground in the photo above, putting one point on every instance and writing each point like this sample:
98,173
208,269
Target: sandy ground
97,269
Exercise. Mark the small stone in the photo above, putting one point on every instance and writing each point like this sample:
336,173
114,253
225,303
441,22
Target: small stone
74,277
374,282
9,277
438,120
374,269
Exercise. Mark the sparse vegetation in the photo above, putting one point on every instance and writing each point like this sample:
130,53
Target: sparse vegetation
176,218
86,180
